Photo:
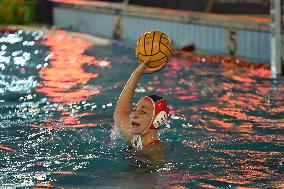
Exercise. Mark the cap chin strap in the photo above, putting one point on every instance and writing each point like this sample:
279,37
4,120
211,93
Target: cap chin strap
136,142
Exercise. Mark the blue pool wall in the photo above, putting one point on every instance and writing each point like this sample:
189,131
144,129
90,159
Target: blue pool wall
213,36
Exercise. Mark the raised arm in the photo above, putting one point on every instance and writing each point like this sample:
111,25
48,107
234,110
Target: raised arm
123,107
124,104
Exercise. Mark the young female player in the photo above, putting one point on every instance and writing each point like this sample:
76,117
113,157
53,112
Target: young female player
139,126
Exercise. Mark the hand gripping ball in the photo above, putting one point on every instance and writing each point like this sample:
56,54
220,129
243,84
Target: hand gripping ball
156,46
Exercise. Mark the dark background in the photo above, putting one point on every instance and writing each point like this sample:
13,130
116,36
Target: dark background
244,7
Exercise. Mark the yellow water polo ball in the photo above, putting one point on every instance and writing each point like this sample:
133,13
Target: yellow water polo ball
156,46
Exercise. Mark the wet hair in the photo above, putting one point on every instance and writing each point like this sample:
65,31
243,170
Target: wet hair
155,98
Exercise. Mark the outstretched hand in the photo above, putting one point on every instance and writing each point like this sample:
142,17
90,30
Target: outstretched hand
143,67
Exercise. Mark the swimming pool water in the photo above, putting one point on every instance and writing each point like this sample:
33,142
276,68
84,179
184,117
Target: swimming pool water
57,97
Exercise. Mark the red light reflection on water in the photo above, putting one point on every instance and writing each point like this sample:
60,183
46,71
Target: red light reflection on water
63,173
177,179
2,147
170,86
48,185
63,82
59,82
238,99
67,119
231,105
209,186
177,187
252,166
44,186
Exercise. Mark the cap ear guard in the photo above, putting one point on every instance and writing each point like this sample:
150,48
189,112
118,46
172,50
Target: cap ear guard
160,114
160,119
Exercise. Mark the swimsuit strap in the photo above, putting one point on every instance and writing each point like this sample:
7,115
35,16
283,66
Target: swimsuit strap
153,142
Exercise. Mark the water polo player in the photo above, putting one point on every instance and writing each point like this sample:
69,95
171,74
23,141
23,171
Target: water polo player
139,126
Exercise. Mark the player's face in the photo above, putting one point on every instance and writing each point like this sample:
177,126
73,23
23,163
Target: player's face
141,116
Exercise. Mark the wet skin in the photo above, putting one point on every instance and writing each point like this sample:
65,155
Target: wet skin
141,117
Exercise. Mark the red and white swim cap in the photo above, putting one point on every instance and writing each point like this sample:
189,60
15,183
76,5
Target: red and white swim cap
160,112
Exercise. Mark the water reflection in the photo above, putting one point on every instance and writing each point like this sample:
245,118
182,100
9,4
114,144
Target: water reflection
239,109
226,125
65,79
